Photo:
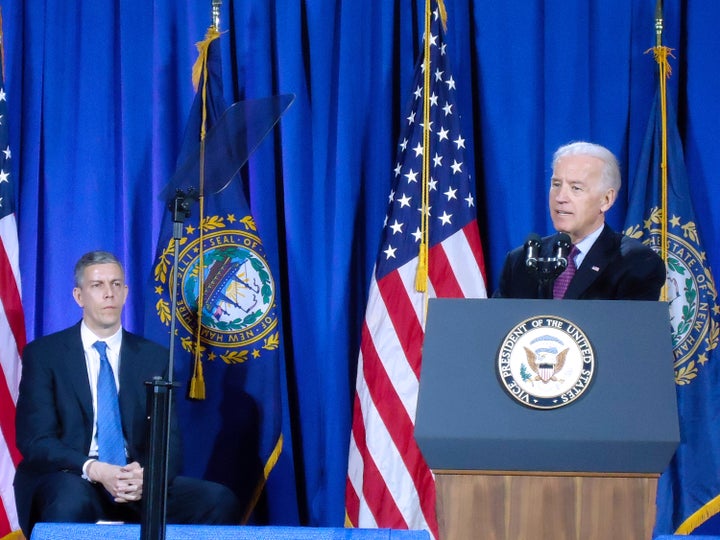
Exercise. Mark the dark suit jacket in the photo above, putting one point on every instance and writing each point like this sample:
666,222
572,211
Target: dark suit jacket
54,416
617,267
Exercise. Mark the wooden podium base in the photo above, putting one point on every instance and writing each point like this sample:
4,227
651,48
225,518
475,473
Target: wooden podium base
490,505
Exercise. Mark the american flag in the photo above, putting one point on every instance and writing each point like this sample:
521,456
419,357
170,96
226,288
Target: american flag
389,485
12,322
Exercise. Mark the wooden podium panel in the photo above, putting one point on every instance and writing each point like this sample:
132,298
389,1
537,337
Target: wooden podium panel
544,506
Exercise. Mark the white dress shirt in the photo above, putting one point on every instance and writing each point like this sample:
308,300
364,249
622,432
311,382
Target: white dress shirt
92,363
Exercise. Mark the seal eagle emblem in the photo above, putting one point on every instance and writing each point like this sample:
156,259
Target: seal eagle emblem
546,362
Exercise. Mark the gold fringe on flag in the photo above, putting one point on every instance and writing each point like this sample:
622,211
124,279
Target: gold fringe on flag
704,513
15,535
200,71
269,466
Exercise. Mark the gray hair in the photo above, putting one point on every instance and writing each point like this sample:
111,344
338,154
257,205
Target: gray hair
610,175
91,258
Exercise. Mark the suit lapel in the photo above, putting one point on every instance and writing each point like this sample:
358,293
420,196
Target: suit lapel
128,380
77,370
594,264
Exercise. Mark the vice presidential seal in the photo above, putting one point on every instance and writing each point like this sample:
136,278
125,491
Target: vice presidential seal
546,362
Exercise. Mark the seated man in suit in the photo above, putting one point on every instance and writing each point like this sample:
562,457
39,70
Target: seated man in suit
603,264
78,464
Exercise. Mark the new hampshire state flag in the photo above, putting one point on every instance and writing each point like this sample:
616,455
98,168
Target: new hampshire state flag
689,490
228,345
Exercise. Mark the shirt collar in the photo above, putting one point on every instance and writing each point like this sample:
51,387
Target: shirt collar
89,338
586,243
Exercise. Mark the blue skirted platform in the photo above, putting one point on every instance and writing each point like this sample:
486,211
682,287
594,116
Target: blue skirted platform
83,531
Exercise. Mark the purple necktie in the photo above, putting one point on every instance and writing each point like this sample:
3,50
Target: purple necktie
563,280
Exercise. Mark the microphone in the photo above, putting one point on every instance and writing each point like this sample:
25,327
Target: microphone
532,250
562,250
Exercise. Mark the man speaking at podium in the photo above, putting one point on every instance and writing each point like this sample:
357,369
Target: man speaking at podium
586,260
81,418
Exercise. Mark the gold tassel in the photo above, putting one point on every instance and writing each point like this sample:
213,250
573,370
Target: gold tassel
421,275
197,383
202,47
661,54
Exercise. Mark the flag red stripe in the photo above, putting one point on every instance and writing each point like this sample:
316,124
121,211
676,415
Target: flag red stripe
12,307
374,487
402,314
400,426
10,298
441,274
352,501
4,523
7,421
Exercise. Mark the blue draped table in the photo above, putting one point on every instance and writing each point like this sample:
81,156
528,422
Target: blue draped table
84,531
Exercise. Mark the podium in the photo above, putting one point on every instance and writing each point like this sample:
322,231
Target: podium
514,460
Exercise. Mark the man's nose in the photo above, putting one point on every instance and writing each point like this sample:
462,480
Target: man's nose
561,192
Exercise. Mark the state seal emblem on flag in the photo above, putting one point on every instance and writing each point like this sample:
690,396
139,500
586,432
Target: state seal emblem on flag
546,362
690,292
237,312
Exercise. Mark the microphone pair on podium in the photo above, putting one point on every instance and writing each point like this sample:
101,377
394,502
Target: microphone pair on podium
547,267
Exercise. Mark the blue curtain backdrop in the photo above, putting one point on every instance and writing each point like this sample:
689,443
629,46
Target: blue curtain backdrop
99,92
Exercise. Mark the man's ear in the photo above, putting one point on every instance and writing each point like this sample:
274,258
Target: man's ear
77,295
608,199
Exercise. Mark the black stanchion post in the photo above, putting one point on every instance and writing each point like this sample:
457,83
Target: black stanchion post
159,401
153,519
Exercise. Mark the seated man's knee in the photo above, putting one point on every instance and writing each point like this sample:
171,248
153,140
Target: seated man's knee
65,497
191,500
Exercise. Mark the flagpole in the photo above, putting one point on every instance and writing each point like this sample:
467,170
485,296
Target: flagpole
661,54
197,381
216,13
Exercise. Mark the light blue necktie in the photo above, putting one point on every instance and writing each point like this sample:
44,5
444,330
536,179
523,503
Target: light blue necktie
111,445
